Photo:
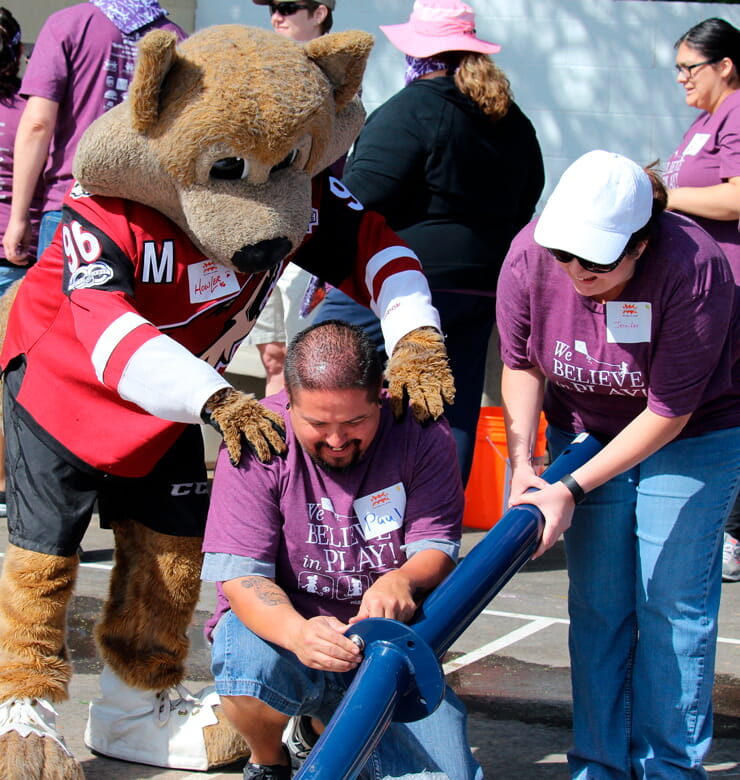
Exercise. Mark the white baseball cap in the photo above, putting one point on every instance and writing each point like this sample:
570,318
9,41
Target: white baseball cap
599,202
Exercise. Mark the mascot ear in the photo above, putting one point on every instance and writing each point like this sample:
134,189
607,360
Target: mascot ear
342,56
157,54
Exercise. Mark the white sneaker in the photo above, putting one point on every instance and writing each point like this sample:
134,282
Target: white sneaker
298,738
730,559
162,728
30,716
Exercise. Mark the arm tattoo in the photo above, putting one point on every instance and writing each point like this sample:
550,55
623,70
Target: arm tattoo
270,594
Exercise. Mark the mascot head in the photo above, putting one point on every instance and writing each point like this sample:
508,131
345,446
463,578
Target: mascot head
224,133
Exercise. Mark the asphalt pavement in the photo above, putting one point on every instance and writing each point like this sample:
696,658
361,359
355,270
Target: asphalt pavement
510,667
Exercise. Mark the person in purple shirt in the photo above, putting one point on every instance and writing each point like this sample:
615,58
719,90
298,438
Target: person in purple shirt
82,64
11,108
360,518
622,319
703,174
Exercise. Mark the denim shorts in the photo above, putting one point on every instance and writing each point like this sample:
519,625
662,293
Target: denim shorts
434,748
10,274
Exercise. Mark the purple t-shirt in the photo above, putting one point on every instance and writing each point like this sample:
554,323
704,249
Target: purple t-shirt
306,522
671,341
11,109
83,62
708,155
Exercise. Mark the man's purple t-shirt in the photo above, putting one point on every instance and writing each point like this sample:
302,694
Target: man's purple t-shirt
11,109
708,155
671,341
305,521
83,62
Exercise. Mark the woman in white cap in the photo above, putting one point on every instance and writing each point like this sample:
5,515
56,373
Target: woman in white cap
455,167
621,319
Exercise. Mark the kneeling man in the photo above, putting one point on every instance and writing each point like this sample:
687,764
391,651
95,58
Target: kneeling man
360,518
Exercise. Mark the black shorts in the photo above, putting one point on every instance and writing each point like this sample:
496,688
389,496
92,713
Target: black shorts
51,497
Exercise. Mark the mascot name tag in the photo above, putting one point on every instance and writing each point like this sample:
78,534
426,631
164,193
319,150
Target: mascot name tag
381,512
210,280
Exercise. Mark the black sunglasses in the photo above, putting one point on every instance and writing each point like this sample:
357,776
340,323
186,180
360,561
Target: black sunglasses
286,9
587,265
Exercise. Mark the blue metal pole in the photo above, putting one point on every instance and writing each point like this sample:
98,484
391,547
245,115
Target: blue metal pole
459,599
397,680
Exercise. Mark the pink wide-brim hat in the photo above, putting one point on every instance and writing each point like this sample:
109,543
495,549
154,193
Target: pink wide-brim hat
436,26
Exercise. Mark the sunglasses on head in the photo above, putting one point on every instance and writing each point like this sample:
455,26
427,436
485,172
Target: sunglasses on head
286,9
587,265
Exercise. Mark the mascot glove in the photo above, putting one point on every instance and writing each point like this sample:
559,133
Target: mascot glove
235,414
418,370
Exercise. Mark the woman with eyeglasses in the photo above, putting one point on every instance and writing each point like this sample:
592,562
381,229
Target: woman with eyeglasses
622,319
703,174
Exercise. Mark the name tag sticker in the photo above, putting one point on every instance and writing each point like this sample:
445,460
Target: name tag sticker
382,512
209,281
628,322
696,144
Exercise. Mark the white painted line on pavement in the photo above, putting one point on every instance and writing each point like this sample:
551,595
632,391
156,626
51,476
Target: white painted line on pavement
100,566
519,615
537,623
493,647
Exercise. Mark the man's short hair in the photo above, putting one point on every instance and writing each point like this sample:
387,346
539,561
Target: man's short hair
333,355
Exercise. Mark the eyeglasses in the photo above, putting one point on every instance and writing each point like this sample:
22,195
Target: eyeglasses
286,9
587,265
688,70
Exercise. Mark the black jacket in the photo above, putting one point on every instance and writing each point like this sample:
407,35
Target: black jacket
454,185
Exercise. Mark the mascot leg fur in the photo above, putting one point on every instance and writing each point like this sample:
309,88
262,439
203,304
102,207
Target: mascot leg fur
145,714
35,591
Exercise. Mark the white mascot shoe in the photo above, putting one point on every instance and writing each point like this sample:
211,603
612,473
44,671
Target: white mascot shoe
30,716
162,728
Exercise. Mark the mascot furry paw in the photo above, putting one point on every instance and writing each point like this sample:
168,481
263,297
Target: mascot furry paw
191,197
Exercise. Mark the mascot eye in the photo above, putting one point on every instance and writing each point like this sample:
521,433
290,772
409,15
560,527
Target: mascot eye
286,163
230,168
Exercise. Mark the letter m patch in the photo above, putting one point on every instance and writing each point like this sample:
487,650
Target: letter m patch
158,268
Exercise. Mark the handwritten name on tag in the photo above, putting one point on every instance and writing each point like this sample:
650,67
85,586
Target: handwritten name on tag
628,322
381,512
209,281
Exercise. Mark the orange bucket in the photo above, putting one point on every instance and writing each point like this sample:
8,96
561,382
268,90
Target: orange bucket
487,492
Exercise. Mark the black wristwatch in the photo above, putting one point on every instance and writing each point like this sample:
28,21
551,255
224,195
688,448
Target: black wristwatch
575,489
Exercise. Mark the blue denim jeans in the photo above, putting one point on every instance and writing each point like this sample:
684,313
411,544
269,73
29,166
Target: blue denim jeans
49,223
644,558
435,748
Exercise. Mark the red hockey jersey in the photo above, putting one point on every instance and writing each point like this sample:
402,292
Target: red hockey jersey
126,327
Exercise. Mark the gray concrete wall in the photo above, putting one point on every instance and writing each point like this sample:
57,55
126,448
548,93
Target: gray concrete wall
31,14
589,73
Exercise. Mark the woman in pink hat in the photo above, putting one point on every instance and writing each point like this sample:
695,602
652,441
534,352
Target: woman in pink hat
455,167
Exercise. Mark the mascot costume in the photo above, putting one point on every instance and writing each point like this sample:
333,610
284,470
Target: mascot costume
191,197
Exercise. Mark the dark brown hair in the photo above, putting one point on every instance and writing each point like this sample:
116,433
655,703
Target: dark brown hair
660,201
333,355
10,53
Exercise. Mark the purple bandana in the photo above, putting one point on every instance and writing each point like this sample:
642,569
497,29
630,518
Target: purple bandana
130,15
417,67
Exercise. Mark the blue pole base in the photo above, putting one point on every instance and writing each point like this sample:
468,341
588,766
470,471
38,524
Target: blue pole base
399,679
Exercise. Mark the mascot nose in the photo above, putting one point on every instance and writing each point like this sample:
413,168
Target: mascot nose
262,255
